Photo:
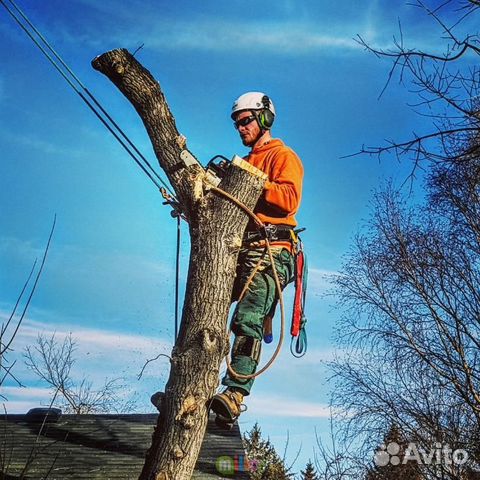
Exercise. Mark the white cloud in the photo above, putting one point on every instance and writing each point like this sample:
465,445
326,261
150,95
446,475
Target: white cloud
117,346
220,33
20,248
99,354
22,406
31,142
91,339
320,280
19,393
285,37
64,256
22,399
280,406
313,30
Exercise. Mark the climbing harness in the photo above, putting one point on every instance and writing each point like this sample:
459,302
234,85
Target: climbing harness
298,344
272,232
264,231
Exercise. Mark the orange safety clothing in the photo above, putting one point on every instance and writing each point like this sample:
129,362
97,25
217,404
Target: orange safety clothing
281,197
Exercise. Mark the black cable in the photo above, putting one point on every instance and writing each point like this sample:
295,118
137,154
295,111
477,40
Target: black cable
92,97
96,103
177,276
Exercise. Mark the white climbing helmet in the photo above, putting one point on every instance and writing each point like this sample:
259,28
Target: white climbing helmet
253,101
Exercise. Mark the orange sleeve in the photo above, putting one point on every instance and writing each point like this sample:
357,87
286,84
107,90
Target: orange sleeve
284,188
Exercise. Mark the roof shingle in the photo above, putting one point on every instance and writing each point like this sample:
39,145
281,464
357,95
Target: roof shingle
103,447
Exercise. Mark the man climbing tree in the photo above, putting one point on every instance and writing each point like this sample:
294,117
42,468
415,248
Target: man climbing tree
253,114
217,216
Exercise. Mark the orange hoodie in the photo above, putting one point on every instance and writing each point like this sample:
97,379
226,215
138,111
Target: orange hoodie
283,189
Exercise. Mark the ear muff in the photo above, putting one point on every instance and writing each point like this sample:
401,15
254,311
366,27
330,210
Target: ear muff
266,117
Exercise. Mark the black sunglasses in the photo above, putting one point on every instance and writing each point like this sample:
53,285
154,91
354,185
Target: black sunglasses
244,121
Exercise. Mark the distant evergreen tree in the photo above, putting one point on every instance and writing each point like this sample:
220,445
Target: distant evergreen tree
265,463
309,473
394,469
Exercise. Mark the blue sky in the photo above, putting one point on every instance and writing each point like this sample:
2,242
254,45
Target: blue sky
109,275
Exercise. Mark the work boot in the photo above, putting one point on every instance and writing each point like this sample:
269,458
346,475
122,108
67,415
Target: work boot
228,405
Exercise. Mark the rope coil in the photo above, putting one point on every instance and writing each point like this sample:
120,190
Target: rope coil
268,249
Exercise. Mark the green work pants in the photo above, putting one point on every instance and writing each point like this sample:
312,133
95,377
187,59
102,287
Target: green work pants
259,301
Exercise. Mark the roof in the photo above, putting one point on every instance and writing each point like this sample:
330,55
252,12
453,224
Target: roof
106,447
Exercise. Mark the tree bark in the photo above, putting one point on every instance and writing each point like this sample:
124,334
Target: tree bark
216,227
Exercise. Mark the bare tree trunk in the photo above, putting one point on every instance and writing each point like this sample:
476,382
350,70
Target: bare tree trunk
216,228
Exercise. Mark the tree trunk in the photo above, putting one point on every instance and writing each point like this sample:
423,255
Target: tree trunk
216,228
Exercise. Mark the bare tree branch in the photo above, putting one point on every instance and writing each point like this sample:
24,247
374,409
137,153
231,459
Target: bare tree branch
5,347
446,85
53,363
139,376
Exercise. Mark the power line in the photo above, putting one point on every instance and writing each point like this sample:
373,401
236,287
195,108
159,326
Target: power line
89,99
95,107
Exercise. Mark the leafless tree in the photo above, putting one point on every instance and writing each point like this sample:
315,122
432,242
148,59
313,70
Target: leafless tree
8,333
410,283
53,361
411,289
